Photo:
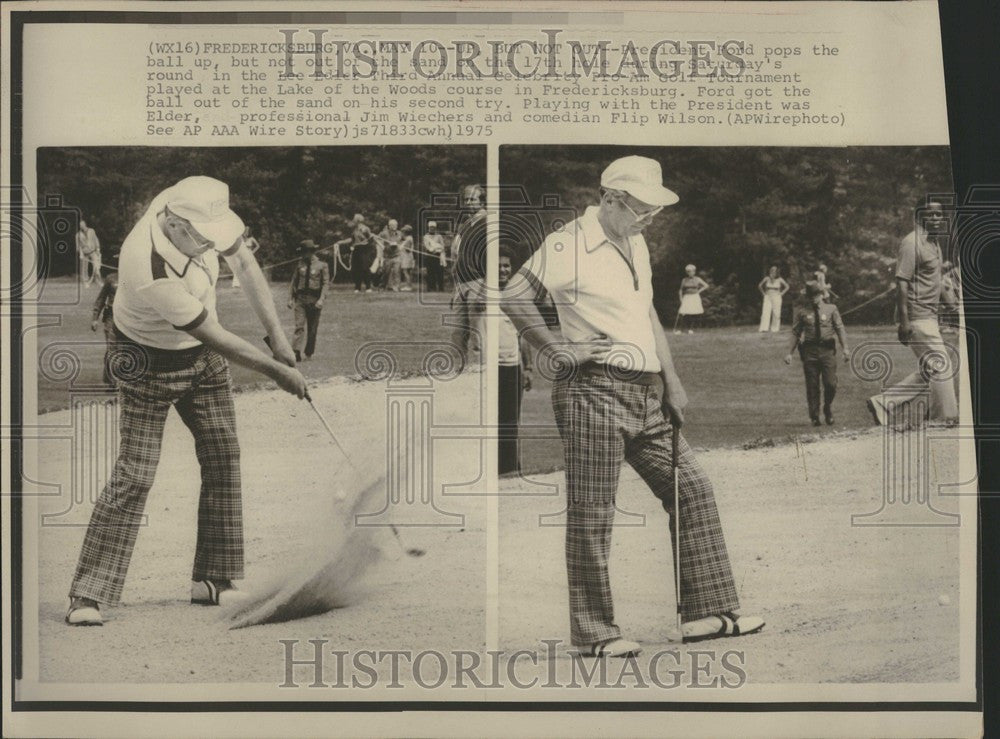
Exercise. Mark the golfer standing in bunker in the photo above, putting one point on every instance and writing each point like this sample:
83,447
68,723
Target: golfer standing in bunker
618,398
166,324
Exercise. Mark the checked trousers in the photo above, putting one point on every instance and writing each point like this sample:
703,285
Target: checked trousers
603,422
200,388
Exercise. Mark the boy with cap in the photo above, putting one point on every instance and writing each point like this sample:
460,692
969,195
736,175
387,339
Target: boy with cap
618,398
172,351
308,290
815,331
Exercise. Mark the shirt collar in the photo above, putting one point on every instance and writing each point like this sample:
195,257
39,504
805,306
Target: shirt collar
592,230
173,256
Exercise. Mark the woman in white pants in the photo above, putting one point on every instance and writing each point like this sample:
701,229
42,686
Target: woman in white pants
772,287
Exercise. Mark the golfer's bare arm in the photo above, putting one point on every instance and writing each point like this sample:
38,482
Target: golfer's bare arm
760,286
258,292
212,334
518,302
671,380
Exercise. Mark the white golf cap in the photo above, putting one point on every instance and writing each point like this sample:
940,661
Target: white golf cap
431,224
641,178
204,201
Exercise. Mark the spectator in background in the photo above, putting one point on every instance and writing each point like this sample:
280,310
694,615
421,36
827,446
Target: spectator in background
434,257
918,302
691,310
406,260
773,288
88,249
362,253
308,290
469,246
821,278
252,244
104,313
391,238
514,371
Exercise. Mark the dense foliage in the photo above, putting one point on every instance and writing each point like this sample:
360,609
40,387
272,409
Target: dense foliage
285,194
744,209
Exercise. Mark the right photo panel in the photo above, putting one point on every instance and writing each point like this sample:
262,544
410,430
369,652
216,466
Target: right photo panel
728,389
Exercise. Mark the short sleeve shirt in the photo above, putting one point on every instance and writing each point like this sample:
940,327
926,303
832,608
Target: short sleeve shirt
596,290
830,323
919,264
312,277
162,293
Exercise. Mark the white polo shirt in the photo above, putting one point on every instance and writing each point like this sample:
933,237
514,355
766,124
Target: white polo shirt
598,291
162,293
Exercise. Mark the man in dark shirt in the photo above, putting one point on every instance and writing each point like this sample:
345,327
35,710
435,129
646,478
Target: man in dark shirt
308,289
815,331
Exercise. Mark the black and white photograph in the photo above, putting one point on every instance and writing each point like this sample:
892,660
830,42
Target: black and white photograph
295,489
733,386
491,368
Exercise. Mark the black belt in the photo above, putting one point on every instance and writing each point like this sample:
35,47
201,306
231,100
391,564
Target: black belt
611,372
825,343
161,359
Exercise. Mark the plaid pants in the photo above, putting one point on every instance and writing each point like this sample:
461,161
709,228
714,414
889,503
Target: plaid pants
200,388
603,422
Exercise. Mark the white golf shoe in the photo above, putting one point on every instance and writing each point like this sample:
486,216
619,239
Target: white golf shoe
84,612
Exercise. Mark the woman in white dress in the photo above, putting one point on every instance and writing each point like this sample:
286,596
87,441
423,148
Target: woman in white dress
772,288
691,308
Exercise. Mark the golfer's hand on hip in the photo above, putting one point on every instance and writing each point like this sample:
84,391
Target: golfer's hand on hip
290,380
788,359
593,349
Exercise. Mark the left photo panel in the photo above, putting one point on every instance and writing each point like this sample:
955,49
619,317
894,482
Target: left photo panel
254,414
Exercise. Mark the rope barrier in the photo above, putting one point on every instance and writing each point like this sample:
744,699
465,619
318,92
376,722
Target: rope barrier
867,302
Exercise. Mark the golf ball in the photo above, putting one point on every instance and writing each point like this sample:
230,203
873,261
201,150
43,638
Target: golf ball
944,600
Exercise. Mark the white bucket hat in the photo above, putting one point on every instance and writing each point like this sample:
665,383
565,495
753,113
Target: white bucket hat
204,201
641,178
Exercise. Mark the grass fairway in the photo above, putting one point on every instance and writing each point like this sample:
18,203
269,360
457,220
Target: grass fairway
348,322
739,388
740,391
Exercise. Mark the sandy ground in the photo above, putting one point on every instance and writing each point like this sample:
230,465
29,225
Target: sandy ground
291,472
843,603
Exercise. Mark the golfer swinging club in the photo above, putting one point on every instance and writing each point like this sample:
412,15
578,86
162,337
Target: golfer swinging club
165,318
616,391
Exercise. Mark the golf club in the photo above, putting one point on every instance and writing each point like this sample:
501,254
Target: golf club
411,551
675,441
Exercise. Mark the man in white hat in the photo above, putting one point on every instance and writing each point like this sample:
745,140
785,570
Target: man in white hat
171,350
617,398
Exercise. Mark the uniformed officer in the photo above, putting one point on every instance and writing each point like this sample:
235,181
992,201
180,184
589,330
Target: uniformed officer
815,331
308,289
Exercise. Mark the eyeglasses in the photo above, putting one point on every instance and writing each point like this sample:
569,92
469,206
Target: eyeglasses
200,241
648,215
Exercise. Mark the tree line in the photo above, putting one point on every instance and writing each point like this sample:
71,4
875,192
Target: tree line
285,194
743,209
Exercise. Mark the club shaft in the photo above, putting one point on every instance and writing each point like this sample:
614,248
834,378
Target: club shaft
675,454
329,430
